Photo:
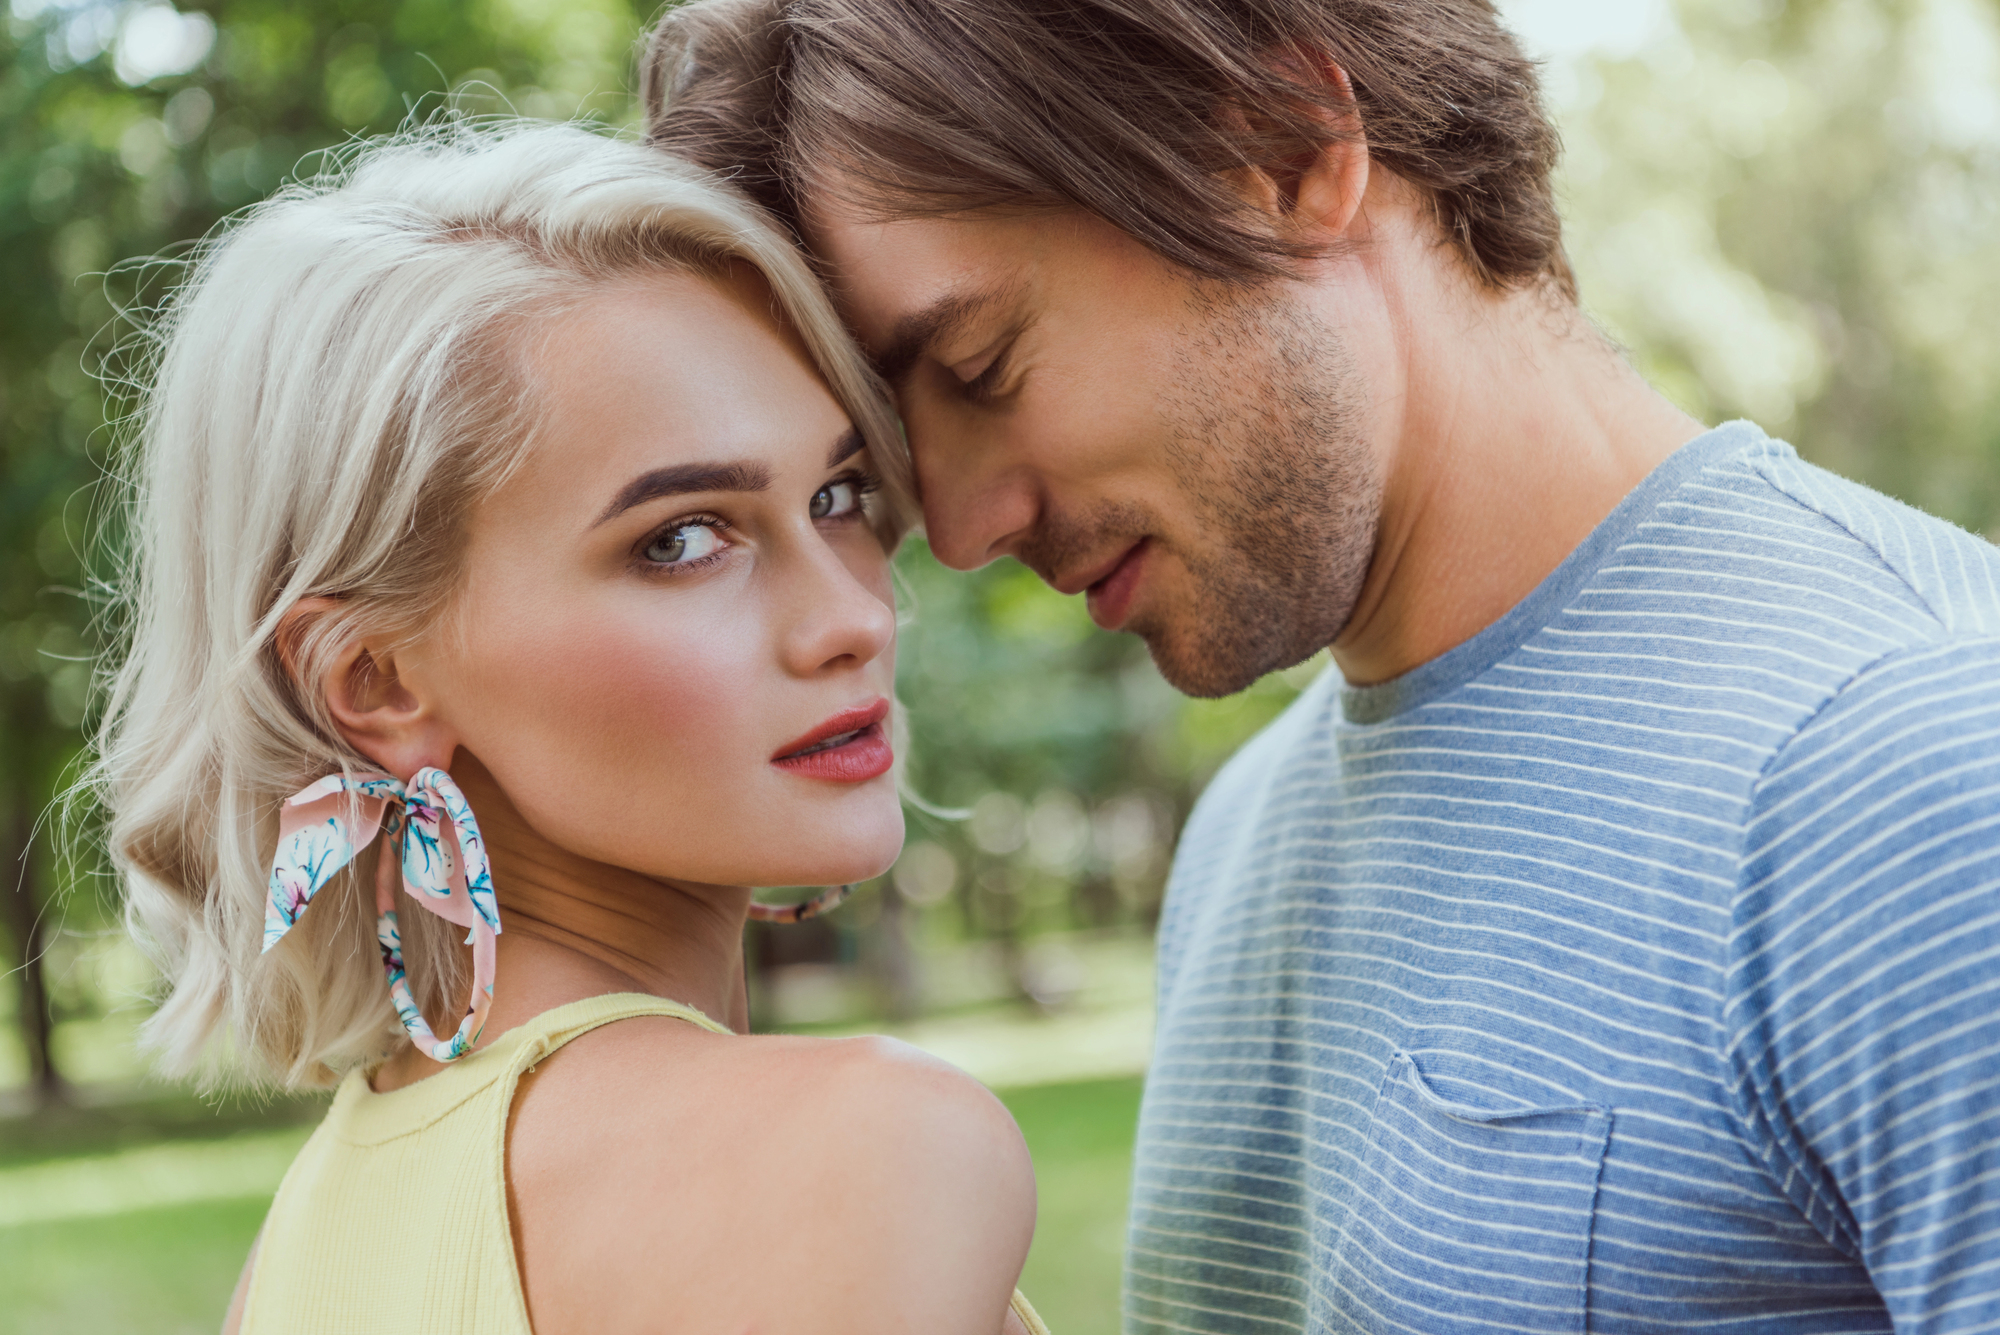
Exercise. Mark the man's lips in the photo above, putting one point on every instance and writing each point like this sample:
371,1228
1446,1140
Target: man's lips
848,748
1112,591
1075,582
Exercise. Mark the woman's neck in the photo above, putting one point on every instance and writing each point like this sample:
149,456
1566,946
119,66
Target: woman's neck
572,929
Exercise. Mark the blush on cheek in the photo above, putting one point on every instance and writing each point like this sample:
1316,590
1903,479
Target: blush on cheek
625,740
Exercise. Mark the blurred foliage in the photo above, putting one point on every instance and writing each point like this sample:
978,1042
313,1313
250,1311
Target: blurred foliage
128,129
1785,208
1791,211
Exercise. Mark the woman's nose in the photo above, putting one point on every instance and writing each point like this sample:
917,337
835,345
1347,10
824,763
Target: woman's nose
841,617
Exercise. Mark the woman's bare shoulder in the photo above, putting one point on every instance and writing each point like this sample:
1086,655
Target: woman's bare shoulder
756,1179
863,1092
893,1083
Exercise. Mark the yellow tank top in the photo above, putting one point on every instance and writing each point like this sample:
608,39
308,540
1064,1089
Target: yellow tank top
431,1157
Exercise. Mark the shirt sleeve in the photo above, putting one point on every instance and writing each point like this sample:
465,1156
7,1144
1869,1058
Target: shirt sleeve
1862,1004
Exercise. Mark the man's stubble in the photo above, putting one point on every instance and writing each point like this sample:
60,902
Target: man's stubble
1263,425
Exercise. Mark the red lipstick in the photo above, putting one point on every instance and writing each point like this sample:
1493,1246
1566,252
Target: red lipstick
850,747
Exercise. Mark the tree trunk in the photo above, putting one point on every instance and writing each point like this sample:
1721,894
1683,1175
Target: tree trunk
23,900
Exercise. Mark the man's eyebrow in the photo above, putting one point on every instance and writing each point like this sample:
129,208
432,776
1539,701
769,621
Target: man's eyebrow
683,479
916,333
846,448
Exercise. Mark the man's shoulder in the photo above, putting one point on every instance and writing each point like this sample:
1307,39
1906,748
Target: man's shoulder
1225,823
1246,778
1897,573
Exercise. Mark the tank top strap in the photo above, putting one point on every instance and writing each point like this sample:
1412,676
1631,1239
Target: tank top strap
539,1037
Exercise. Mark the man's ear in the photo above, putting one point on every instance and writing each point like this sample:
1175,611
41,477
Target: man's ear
1316,195
379,708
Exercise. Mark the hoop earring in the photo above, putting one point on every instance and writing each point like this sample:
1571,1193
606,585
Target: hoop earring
826,900
323,827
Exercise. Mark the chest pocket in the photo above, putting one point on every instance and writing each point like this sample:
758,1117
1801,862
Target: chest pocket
1469,1220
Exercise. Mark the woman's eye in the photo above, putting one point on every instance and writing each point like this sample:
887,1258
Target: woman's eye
678,546
835,499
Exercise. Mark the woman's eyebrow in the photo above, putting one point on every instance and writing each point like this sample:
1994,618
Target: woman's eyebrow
846,448
683,479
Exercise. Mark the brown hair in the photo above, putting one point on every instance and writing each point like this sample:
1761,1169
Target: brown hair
1130,109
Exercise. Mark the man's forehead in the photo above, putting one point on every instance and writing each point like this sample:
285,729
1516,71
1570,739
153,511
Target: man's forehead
886,273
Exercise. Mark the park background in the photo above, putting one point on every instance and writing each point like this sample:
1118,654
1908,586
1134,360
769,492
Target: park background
1786,209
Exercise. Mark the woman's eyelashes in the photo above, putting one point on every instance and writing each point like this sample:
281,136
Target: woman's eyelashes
685,542
843,498
694,541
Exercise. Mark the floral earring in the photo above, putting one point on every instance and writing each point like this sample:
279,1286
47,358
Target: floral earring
439,858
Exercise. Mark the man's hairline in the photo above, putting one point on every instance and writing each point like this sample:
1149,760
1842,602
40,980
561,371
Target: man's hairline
860,210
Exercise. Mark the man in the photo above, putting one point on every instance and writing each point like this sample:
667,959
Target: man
1615,941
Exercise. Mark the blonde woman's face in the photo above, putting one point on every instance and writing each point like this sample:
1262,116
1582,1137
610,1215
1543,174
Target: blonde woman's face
675,648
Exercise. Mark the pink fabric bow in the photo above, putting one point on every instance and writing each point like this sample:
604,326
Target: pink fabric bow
324,826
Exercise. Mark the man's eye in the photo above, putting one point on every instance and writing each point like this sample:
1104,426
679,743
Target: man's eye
835,499
687,542
986,384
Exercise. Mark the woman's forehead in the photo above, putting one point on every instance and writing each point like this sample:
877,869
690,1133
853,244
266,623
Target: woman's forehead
673,370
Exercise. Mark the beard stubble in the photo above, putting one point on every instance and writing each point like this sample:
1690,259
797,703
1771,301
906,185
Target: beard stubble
1264,424
1281,495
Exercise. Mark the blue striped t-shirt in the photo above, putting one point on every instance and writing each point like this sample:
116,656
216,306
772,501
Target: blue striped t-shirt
1634,966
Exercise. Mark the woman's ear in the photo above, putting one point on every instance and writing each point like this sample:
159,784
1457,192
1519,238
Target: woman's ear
380,710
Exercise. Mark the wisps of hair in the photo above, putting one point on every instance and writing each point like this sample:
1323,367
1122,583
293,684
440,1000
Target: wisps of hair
330,387
1134,110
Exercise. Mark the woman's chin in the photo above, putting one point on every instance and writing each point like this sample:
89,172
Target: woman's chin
858,851
871,857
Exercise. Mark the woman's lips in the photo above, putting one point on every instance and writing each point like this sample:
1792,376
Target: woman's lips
850,747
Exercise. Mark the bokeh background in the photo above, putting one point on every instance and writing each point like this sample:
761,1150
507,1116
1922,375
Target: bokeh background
1786,209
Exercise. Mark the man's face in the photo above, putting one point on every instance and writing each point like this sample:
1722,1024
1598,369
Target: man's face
1190,454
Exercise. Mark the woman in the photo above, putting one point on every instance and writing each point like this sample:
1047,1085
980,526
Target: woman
510,594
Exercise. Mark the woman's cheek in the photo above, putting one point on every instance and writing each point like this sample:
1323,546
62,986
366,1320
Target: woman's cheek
621,703
664,686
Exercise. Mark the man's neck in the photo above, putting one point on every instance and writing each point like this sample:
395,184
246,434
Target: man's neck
1517,430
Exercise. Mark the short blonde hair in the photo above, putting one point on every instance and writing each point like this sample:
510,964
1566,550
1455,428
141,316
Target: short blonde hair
330,391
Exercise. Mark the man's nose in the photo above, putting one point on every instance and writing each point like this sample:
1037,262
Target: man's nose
977,506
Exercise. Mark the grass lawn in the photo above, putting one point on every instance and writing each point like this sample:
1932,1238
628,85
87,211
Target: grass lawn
169,1270
1081,1137
151,1272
